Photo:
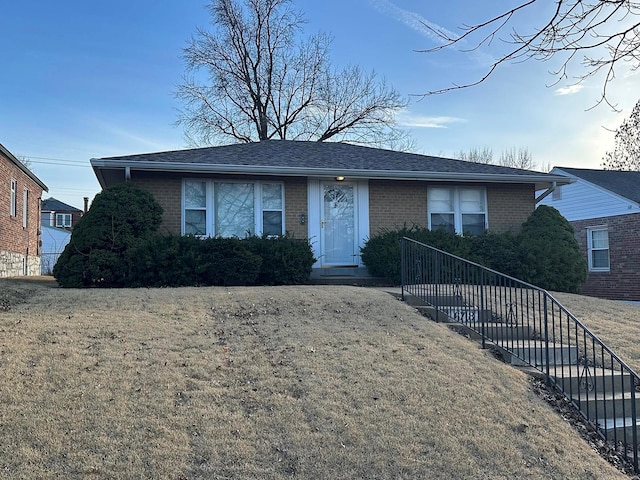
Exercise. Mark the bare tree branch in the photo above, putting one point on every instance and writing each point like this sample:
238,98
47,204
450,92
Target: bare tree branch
626,152
251,79
606,33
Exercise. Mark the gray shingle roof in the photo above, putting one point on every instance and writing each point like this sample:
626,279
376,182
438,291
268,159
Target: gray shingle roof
54,205
321,155
624,183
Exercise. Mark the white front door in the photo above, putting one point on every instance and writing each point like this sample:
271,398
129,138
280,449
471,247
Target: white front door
338,224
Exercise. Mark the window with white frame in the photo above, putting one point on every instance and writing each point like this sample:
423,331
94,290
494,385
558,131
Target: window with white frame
13,204
63,220
598,249
457,209
25,208
232,209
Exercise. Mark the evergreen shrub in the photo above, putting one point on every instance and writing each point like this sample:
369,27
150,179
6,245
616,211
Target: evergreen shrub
120,218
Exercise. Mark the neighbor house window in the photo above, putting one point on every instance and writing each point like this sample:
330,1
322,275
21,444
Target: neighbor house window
25,208
13,205
232,209
457,209
63,220
598,249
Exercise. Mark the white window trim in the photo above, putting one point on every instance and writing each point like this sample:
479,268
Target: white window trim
590,249
25,208
209,209
457,212
13,206
64,216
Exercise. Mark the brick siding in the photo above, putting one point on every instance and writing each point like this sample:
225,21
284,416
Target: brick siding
392,203
509,206
14,238
622,282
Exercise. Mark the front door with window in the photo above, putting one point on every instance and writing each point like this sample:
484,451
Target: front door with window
338,225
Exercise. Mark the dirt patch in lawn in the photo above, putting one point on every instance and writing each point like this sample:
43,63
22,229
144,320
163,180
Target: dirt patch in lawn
272,382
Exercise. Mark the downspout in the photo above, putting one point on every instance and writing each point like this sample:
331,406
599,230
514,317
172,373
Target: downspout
547,192
127,173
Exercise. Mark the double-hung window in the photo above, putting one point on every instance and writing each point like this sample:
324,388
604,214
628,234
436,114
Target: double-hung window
25,208
461,210
232,209
13,208
63,220
598,249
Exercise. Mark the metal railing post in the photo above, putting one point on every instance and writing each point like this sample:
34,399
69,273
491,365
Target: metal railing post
546,338
483,320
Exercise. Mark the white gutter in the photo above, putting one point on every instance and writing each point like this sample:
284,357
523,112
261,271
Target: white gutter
326,172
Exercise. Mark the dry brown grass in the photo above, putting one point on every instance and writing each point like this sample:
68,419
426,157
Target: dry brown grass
279,382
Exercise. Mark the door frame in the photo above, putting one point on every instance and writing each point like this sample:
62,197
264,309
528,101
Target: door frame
315,207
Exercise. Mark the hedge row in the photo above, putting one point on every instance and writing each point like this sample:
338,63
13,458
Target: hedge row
116,245
544,253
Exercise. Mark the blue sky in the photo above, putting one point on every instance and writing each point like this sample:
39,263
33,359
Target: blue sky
94,79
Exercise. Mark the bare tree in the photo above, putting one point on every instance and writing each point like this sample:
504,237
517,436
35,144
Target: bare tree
520,158
626,151
252,79
601,34
484,155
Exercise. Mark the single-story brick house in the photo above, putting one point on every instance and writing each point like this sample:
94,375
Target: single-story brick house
335,194
20,194
604,208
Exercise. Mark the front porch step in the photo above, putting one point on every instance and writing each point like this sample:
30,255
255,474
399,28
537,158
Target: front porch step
607,406
573,379
620,429
461,314
534,352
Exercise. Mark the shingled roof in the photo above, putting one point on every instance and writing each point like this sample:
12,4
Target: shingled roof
623,183
297,158
55,205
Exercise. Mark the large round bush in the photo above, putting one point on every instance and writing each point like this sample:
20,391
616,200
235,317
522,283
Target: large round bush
120,218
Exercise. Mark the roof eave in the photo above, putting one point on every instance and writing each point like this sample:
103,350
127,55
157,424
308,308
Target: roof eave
21,166
98,164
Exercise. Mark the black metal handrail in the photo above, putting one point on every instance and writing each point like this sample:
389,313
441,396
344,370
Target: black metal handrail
530,327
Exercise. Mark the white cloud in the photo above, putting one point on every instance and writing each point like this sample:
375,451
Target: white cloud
407,119
412,20
570,90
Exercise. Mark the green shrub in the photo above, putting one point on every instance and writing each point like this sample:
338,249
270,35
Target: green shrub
498,251
227,261
120,218
550,253
176,261
285,260
381,253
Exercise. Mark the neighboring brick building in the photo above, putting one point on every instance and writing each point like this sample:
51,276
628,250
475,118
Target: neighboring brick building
604,208
55,213
335,194
20,195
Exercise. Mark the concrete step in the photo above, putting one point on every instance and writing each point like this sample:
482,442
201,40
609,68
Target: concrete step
445,300
461,314
621,429
573,379
533,352
607,406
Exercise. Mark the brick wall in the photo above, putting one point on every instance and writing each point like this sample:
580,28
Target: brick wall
396,203
167,190
509,206
393,204
14,237
622,282
295,204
